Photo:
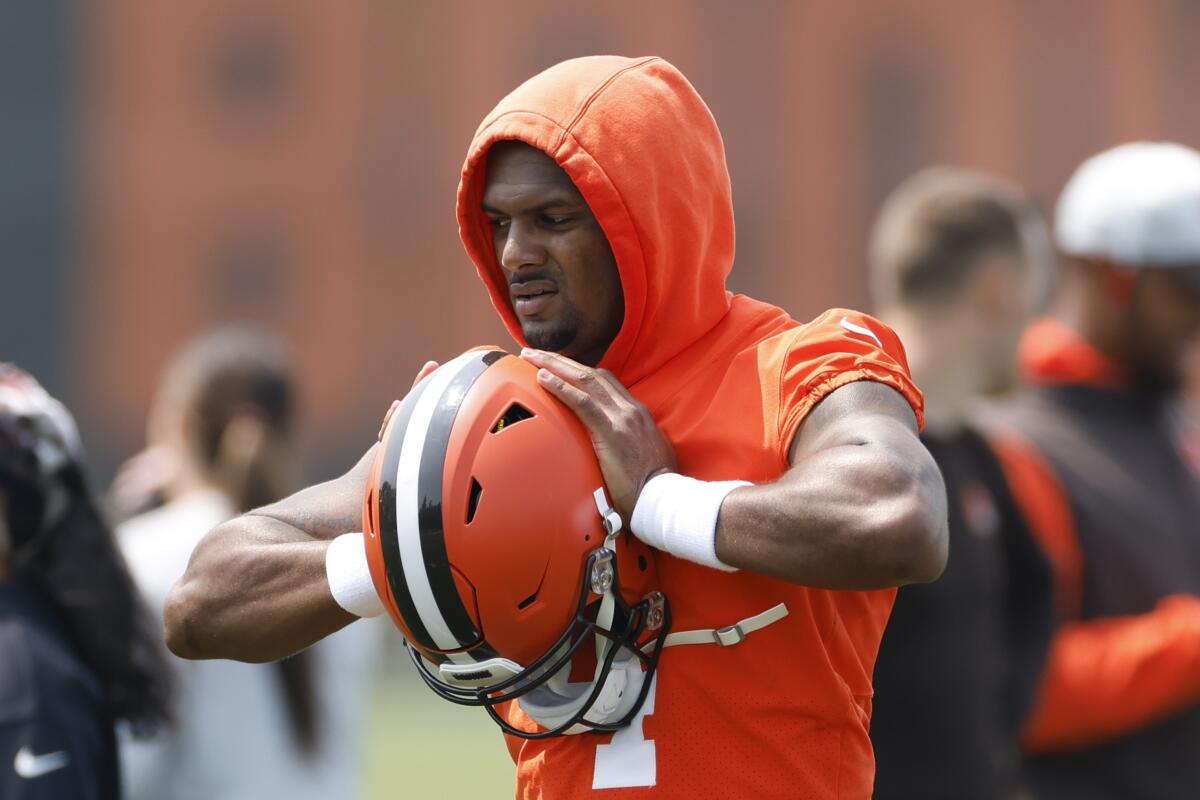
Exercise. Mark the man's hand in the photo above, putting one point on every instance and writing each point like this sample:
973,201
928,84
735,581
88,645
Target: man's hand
425,372
628,443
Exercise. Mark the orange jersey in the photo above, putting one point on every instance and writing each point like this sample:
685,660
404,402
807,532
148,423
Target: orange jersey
784,713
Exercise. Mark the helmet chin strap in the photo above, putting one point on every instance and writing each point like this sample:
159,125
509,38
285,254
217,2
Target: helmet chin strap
623,681
556,701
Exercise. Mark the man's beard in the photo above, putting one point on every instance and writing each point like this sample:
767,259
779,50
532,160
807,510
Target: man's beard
555,336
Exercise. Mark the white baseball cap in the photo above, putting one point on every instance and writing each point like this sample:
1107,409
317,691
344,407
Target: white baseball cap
1137,204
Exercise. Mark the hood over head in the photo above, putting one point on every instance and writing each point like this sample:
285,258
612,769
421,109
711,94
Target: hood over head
644,151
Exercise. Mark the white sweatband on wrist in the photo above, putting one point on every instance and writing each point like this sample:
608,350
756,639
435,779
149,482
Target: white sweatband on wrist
678,515
350,576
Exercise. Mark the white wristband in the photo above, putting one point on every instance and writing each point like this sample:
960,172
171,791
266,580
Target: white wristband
678,514
350,576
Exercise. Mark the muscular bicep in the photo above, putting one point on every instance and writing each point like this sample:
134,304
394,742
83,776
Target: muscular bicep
255,587
862,505
857,414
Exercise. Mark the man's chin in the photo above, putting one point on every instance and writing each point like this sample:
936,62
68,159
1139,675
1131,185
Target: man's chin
550,338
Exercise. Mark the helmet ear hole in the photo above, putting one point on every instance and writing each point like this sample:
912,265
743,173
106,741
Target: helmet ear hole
512,415
473,500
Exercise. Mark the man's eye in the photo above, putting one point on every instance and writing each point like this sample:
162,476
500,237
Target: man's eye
556,220
498,222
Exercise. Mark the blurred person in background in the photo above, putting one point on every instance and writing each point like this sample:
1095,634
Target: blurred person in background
221,442
1189,410
959,261
1118,709
77,650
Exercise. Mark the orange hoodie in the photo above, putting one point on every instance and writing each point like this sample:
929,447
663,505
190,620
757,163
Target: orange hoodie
785,713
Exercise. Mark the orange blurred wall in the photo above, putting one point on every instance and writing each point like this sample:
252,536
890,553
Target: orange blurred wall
295,163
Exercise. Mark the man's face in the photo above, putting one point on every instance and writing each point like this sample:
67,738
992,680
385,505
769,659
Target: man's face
562,277
1164,322
1002,316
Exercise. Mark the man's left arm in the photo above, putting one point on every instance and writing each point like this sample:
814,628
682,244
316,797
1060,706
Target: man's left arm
861,506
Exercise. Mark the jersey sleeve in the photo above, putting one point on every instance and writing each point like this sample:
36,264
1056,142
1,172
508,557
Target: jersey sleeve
1103,677
1109,677
839,347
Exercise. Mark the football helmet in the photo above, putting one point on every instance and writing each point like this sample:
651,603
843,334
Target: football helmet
492,544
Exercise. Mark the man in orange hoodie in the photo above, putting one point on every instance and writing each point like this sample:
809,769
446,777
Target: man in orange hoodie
771,461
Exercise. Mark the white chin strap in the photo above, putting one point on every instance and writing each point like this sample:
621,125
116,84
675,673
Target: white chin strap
557,700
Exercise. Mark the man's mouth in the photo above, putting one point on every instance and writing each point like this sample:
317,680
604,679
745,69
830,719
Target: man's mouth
532,297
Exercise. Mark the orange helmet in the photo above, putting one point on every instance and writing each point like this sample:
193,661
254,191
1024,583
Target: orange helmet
495,551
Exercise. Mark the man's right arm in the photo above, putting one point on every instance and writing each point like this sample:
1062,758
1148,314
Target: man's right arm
255,587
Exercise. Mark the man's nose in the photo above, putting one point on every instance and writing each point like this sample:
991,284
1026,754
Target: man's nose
521,248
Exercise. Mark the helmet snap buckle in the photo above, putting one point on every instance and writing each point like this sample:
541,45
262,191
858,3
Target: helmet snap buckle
602,575
654,611
609,518
729,635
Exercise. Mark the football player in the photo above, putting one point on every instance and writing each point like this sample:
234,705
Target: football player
770,461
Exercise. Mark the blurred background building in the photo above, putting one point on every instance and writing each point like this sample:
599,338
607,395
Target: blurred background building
167,166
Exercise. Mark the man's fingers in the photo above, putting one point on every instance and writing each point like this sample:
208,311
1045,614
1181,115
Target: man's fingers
576,399
387,418
615,387
560,365
599,383
429,367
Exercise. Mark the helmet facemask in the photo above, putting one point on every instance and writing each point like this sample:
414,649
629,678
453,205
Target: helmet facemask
502,592
620,633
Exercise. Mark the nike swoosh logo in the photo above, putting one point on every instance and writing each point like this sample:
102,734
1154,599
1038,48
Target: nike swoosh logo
28,765
861,331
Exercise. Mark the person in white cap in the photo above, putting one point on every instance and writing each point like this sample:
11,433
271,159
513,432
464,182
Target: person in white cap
1118,710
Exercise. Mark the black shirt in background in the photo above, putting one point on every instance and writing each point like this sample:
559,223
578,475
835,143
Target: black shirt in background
56,735
961,657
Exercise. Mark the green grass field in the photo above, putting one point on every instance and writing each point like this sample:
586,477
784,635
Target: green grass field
422,746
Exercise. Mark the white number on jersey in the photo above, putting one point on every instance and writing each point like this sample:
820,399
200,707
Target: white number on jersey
629,759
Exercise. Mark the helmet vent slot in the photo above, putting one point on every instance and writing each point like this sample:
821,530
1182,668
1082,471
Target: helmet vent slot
473,500
515,413
529,600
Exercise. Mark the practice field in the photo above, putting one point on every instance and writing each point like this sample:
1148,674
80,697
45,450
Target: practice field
423,746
